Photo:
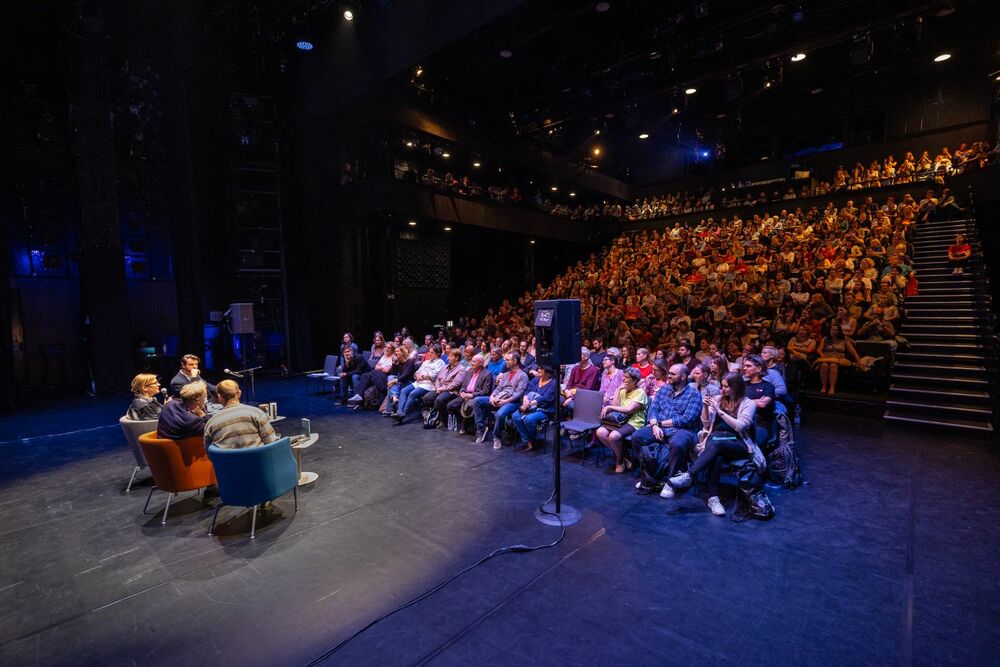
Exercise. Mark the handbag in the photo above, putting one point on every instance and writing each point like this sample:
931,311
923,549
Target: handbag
615,418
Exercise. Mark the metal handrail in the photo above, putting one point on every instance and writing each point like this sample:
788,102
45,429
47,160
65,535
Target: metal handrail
987,319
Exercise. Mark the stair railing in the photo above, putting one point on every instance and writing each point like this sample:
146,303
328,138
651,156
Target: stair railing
983,305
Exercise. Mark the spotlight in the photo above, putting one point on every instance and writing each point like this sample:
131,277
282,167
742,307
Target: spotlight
593,166
348,15
532,241
447,229
554,188
798,57
690,91
572,194
767,84
644,135
419,71
304,45
446,155
600,7
704,153
596,151
941,58
412,223
409,144
476,164
676,111
597,133
506,53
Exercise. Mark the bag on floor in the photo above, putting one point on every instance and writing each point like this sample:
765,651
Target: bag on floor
783,461
432,419
372,399
751,500
653,462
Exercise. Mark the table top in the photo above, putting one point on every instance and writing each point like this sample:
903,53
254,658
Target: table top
308,442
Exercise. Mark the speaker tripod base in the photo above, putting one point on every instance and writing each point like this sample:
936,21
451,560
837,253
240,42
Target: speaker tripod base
566,517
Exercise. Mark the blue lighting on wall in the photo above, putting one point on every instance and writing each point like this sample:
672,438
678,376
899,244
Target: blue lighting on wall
304,45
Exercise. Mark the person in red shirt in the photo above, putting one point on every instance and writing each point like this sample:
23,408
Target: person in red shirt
643,362
959,254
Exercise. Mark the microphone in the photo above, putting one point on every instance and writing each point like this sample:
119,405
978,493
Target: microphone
233,373
163,392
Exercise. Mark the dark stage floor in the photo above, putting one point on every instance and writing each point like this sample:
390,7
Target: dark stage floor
888,556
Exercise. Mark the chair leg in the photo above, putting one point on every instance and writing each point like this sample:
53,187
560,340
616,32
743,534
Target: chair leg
295,495
253,523
135,471
215,516
166,509
146,506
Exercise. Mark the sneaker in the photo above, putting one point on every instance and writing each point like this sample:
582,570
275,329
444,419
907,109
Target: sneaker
680,481
424,414
667,491
497,444
481,436
398,416
355,399
715,506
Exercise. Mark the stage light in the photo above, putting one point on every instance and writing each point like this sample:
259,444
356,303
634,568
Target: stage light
506,53
644,135
409,144
304,45
554,188
419,71
597,133
941,58
476,164
704,153
798,57
446,155
596,151
593,166
572,194
690,91
676,110
767,84
348,15
602,7
532,241
412,223
447,229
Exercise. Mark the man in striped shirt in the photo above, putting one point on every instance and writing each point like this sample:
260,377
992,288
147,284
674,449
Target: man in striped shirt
236,426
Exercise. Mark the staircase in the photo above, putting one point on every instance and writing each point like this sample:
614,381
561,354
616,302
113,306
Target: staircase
941,380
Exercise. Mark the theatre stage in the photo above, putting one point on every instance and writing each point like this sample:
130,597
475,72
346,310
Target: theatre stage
889,555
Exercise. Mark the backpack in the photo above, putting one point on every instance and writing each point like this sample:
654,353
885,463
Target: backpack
653,463
372,398
783,462
751,500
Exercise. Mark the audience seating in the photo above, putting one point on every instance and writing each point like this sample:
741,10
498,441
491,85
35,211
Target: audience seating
133,428
586,419
252,476
329,371
177,465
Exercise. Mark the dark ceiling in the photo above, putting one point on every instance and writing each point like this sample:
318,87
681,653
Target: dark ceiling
577,78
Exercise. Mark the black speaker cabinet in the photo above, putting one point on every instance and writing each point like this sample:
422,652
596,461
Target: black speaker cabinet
557,332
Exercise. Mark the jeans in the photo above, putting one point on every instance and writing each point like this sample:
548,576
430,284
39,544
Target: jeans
408,397
676,446
438,400
481,406
717,452
348,381
527,424
502,413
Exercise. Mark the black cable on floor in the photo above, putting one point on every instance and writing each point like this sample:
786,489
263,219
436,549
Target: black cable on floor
514,548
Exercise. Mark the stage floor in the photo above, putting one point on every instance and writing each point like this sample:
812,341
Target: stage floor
888,556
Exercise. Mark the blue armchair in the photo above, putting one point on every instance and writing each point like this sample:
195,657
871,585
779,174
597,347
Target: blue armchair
254,475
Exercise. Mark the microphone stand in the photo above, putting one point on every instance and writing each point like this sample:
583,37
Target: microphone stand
250,371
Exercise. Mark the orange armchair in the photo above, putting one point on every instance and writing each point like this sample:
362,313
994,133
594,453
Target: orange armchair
177,465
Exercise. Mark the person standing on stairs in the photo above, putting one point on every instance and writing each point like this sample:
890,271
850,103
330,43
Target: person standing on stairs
958,255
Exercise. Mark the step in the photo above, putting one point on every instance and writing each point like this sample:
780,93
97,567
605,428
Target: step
932,301
964,396
920,310
940,282
907,329
911,356
904,378
943,319
954,424
963,290
946,348
933,408
936,337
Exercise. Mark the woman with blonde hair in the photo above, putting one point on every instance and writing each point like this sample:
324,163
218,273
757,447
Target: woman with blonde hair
145,387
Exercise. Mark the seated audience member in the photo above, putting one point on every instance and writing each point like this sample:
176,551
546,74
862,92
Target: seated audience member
352,367
702,380
423,382
762,393
611,376
236,425
504,400
378,348
528,363
145,389
774,372
726,423
537,405
597,351
496,364
669,434
348,342
643,363
801,349
583,376
958,255
686,354
184,417
476,382
833,353
400,376
627,413
446,386
188,373
377,377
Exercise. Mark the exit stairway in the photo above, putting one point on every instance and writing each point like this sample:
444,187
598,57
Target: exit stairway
941,380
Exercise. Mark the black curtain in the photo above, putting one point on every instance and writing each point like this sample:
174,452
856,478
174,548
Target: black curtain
106,319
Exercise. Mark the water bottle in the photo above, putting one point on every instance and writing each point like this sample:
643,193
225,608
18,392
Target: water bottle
798,415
